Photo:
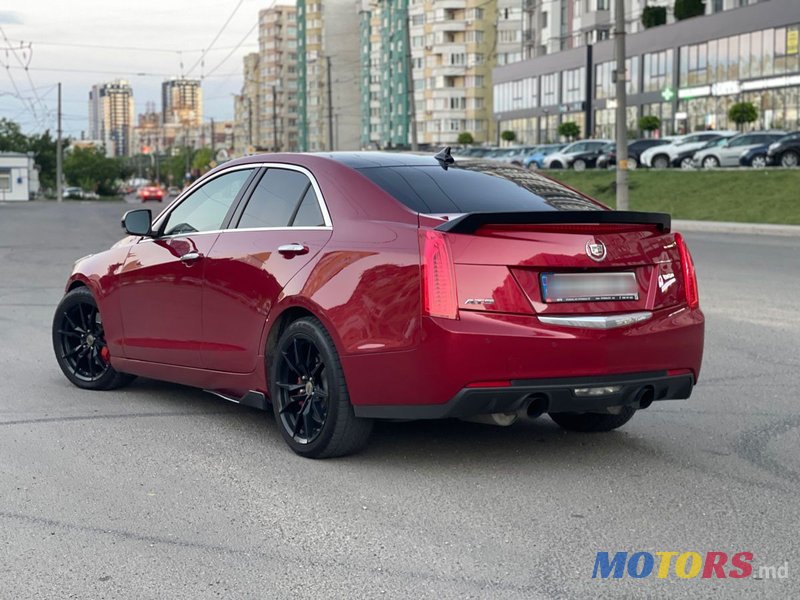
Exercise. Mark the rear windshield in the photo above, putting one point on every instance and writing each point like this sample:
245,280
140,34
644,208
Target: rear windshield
474,187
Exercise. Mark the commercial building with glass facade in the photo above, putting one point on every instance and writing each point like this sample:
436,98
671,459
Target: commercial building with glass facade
687,73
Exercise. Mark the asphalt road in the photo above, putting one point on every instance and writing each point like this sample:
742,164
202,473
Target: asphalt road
161,491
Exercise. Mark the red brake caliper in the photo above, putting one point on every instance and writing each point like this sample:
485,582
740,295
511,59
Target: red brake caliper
105,354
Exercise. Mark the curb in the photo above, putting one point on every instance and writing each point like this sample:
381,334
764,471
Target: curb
732,227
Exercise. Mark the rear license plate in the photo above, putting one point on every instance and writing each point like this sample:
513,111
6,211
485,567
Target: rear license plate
588,287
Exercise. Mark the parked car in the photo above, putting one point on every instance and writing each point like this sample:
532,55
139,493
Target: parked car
334,286
151,192
536,159
173,191
588,160
786,151
516,155
755,157
564,157
727,153
474,151
635,148
661,157
685,159
73,193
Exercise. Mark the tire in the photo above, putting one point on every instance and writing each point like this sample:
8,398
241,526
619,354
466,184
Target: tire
660,162
633,164
593,422
710,162
555,165
579,165
759,161
317,422
687,163
790,158
79,343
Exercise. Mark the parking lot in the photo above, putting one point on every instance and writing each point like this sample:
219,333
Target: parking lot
161,491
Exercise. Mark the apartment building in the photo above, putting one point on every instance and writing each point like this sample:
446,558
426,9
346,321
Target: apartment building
182,102
246,107
277,95
328,114
111,114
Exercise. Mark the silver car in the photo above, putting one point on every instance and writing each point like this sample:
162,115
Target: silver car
727,153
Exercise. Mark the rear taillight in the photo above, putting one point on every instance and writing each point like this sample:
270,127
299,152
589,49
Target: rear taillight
438,276
689,276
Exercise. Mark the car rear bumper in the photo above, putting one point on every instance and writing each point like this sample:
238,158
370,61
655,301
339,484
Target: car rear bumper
548,395
483,349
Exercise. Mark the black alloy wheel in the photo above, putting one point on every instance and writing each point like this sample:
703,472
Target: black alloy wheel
303,390
80,345
309,394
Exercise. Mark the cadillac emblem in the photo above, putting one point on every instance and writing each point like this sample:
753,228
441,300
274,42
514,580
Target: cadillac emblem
596,251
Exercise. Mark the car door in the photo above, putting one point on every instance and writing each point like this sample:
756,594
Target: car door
161,280
280,227
730,153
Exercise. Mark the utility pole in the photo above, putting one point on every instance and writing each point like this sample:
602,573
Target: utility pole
59,163
213,144
412,105
330,104
621,118
274,119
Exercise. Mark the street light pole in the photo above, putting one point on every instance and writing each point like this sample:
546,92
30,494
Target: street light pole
621,118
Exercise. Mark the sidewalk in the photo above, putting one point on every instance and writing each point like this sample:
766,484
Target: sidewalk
731,227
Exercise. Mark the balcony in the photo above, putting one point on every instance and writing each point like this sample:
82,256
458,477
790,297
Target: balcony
449,25
592,19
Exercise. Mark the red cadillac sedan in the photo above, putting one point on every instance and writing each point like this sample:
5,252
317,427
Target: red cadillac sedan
342,288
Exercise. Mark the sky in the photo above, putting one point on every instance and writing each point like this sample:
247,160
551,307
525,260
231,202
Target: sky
143,42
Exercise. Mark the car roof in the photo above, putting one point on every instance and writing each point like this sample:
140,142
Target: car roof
361,160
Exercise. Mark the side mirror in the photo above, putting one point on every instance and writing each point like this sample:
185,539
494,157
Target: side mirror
138,222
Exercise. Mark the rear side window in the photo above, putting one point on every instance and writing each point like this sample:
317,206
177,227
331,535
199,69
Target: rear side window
283,198
478,187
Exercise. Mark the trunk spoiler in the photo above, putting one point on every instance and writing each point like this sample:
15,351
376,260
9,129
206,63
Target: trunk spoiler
471,222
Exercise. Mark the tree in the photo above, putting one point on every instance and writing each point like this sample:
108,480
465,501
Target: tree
90,169
742,113
508,136
201,160
11,137
653,16
465,138
569,129
43,147
685,9
649,123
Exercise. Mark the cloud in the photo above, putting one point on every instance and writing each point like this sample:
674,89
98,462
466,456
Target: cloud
9,18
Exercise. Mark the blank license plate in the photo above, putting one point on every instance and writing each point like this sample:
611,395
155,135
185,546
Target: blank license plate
588,287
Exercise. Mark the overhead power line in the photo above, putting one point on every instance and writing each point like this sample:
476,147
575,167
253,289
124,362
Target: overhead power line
216,37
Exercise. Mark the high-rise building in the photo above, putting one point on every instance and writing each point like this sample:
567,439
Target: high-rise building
111,115
384,63
246,106
277,104
454,45
328,115
182,102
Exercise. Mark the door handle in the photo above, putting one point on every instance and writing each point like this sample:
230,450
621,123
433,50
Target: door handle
190,257
290,250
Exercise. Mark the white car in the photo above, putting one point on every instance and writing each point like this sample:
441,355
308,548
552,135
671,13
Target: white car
564,158
661,157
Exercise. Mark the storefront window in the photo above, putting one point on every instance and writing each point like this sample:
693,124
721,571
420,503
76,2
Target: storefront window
756,54
744,56
733,57
712,60
780,51
723,59
632,67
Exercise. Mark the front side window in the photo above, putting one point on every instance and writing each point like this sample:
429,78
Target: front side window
283,198
205,209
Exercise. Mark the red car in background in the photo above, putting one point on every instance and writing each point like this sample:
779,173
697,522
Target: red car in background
151,192
346,287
